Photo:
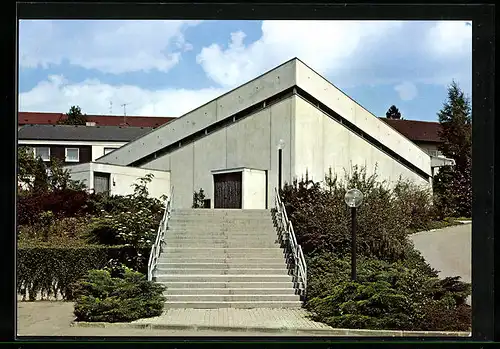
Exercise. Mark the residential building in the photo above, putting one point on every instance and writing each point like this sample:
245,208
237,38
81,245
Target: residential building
240,147
35,118
425,134
76,144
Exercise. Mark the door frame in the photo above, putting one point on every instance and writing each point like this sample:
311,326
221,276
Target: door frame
228,171
102,174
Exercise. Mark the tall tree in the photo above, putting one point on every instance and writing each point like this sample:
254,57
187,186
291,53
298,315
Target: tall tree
456,127
393,113
454,183
74,117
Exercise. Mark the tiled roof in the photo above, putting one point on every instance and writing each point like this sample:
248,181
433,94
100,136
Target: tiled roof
416,131
33,118
81,133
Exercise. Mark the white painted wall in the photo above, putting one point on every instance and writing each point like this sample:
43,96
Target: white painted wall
254,91
343,105
122,178
249,143
254,189
322,142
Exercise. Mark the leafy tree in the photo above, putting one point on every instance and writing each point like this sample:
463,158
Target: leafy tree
393,113
36,175
453,184
74,117
26,164
41,178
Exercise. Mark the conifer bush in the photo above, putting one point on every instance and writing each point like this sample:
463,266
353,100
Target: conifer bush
127,296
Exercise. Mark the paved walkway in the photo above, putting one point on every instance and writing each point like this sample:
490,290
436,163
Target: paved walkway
254,319
448,250
45,318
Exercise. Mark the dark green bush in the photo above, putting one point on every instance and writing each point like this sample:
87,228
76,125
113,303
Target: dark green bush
51,270
100,297
321,218
405,295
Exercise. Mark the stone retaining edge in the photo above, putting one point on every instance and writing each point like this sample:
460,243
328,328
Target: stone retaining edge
303,331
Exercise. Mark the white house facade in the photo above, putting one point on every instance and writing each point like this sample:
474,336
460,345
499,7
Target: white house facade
241,146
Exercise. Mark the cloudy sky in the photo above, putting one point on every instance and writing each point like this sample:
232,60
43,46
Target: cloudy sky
167,68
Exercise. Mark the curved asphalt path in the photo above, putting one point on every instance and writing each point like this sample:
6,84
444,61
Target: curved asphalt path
447,250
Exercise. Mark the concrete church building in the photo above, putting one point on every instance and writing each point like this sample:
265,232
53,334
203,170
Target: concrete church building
239,147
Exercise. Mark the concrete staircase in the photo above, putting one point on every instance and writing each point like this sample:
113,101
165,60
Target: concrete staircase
216,258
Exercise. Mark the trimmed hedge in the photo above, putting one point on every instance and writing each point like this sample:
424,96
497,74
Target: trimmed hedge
50,270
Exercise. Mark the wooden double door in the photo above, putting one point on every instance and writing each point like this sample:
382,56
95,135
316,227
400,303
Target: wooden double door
228,190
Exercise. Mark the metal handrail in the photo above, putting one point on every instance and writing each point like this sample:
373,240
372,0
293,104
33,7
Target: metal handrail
160,237
300,265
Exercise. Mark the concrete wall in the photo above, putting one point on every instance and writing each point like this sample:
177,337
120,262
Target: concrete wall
428,147
122,178
254,189
322,142
250,142
224,106
82,173
335,99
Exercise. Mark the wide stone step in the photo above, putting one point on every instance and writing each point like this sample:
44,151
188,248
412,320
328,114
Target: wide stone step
226,261
220,227
222,244
229,291
232,236
223,271
223,278
221,285
225,217
241,305
240,252
219,211
227,265
191,298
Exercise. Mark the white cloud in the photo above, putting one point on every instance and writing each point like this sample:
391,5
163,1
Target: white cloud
349,53
407,91
56,94
109,46
450,39
324,45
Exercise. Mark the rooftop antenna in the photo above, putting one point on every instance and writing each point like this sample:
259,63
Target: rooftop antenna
124,105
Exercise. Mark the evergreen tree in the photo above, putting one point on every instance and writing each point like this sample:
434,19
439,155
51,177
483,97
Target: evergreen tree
456,127
393,113
453,185
74,117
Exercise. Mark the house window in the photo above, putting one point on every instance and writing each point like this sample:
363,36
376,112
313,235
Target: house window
72,154
108,150
42,152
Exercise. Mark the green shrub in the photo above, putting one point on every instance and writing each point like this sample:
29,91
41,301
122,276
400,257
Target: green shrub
404,295
136,228
100,297
199,199
321,219
61,231
50,270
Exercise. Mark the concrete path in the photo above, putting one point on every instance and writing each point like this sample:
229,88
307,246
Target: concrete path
448,250
56,319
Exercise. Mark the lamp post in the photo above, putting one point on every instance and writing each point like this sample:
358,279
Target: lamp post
353,198
281,145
